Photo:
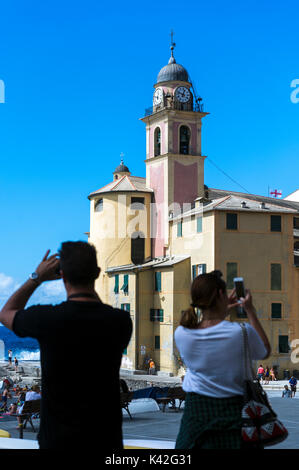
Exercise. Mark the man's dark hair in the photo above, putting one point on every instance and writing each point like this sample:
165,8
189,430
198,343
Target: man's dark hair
78,261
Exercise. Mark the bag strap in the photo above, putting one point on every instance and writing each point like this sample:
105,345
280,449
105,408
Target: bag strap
249,374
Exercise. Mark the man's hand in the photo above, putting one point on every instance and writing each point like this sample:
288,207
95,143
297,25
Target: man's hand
48,269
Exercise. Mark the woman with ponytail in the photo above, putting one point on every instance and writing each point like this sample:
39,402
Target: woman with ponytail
212,350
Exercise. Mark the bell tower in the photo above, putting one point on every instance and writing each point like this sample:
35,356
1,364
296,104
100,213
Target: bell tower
174,162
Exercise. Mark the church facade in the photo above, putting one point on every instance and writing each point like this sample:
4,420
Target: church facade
153,235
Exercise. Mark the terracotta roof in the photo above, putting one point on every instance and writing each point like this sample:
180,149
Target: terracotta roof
125,183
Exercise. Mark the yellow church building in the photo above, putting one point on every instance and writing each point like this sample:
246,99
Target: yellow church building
153,235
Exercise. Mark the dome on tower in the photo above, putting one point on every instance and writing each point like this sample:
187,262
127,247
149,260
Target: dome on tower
121,168
173,72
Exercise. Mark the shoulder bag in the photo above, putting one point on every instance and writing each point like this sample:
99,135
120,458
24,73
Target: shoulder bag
260,426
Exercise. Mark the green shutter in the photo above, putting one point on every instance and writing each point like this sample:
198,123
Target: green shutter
194,271
180,229
158,281
152,314
201,269
125,286
116,283
125,307
199,224
157,342
161,315
231,272
275,276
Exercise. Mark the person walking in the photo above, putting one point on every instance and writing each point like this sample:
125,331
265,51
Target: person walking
16,364
152,367
260,373
81,322
272,374
266,376
293,384
212,350
9,357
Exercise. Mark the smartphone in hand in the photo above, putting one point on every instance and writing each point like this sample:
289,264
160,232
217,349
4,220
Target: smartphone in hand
239,286
240,292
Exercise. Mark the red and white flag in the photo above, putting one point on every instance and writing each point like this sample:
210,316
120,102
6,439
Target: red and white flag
275,193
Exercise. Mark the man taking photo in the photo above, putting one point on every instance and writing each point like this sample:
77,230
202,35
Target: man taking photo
72,415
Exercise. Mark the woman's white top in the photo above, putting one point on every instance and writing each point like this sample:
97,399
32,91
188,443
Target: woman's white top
214,358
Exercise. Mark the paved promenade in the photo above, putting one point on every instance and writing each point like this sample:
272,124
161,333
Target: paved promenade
165,426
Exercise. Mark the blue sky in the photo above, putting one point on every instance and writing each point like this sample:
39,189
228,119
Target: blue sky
78,77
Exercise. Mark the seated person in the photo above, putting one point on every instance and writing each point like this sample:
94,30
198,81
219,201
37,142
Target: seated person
5,395
286,392
33,394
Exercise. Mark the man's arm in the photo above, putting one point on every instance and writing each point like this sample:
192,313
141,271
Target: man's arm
47,271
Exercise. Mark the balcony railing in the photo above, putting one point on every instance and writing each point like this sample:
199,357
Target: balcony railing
195,107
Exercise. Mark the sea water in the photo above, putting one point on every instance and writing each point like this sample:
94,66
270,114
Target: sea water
24,349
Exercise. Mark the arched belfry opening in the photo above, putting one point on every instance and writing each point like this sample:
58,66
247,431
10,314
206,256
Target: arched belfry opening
185,135
157,141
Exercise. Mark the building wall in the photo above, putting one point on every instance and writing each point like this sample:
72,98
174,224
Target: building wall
254,247
199,246
110,232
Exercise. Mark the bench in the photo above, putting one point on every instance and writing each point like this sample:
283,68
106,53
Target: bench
173,393
30,408
125,399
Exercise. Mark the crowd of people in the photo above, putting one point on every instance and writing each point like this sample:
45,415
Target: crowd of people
19,396
265,375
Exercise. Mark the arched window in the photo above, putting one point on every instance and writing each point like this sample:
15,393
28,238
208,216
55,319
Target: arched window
157,141
184,140
98,206
137,248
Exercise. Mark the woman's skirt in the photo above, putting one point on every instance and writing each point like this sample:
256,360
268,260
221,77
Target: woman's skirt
211,423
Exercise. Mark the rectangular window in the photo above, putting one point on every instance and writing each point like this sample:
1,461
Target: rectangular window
231,221
156,314
231,272
296,222
275,276
158,281
157,342
137,203
275,223
201,269
125,307
180,229
116,283
275,310
125,287
283,344
199,224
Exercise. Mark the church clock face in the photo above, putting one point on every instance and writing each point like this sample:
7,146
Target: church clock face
158,95
182,94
